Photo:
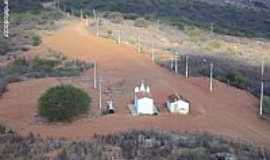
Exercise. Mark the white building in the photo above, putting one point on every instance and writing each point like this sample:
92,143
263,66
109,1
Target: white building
143,101
177,104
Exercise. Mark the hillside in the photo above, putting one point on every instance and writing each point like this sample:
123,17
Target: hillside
225,19
133,41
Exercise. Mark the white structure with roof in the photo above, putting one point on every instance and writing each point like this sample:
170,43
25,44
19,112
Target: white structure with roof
143,101
177,104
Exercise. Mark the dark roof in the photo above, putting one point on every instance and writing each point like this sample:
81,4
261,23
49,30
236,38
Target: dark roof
173,98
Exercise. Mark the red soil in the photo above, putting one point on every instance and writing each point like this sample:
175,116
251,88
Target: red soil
227,111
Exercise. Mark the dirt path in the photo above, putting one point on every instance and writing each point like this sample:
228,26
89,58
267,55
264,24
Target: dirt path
227,111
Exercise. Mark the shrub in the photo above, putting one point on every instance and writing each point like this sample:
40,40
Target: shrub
3,86
140,22
236,79
114,17
64,102
266,107
36,40
4,46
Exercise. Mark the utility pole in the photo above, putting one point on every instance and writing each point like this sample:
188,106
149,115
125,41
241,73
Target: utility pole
86,21
187,69
139,44
6,19
81,11
100,93
176,63
262,69
152,52
95,14
119,36
211,76
97,23
95,75
261,98
158,23
262,88
212,28
171,63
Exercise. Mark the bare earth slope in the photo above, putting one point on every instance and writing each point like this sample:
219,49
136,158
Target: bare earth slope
227,111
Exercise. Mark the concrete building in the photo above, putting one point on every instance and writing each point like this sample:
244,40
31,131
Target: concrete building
176,104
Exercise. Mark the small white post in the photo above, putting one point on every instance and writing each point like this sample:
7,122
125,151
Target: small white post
95,75
176,64
211,76
100,94
187,69
261,99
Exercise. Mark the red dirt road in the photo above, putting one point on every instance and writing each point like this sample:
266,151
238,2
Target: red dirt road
228,111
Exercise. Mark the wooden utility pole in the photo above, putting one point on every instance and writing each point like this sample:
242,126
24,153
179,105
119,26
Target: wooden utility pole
100,93
95,75
187,67
211,76
176,63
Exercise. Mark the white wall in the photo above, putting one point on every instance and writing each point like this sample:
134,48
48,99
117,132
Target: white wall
179,107
145,106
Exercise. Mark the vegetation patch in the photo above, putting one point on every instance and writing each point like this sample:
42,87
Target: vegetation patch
141,22
139,145
266,107
39,67
62,103
224,19
36,40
